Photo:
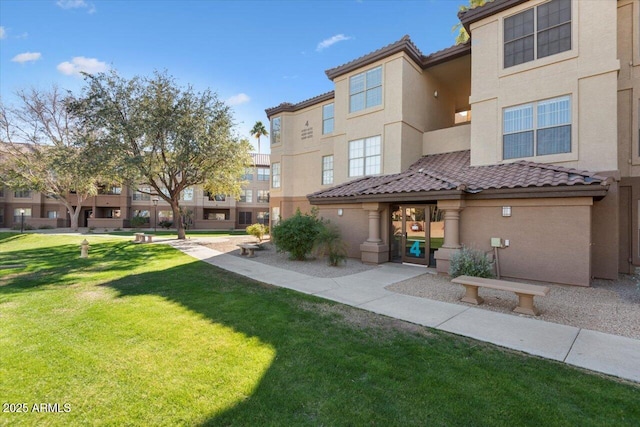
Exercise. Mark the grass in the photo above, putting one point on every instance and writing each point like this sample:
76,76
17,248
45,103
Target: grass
144,335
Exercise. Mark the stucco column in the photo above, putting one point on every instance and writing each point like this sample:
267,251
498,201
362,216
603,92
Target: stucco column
451,244
374,227
373,250
452,228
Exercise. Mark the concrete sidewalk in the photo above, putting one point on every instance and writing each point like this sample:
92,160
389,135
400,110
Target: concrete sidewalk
596,351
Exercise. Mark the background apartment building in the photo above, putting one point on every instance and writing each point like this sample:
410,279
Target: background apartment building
116,206
529,133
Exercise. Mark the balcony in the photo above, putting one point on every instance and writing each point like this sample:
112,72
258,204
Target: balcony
456,138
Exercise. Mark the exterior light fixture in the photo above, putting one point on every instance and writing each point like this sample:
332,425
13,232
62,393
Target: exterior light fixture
340,212
155,213
506,211
435,93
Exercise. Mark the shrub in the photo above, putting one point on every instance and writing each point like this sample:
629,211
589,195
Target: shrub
45,227
256,230
297,234
25,227
470,262
138,221
165,224
329,243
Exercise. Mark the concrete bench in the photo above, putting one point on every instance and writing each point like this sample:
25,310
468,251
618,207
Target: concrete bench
142,238
248,249
524,291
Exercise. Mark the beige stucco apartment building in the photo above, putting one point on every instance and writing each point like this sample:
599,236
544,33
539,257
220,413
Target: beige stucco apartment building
525,138
115,206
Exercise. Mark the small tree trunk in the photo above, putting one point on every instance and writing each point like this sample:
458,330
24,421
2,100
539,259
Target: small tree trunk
177,220
75,214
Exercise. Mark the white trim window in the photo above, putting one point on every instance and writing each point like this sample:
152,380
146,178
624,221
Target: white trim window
275,175
187,194
263,174
327,170
246,196
365,156
365,89
327,118
276,126
537,32
547,122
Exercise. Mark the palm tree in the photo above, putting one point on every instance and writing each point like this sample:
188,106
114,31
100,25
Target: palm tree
257,131
463,36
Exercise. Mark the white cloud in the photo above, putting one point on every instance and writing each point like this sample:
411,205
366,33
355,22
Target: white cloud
76,4
80,64
3,33
26,57
331,41
241,98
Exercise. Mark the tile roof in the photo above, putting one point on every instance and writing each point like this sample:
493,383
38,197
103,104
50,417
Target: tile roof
491,7
261,159
452,171
405,44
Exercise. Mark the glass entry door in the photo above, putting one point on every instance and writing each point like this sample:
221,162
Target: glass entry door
415,226
410,228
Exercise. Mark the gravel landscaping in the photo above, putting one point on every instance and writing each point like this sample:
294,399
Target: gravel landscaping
607,306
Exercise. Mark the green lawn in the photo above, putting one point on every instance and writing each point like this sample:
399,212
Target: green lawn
174,234
144,335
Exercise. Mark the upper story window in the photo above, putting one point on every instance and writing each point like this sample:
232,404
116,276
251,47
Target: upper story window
142,194
187,194
247,196
248,174
548,123
365,90
327,170
263,196
216,197
22,194
275,130
263,174
537,32
275,175
327,118
365,156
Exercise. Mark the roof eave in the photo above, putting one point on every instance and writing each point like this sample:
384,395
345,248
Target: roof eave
469,16
290,108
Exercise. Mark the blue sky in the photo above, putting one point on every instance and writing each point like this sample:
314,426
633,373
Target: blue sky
253,54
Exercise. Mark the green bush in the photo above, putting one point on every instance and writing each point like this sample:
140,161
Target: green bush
165,224
329,243
297,234
45,227
470,262
138,221
25,227
256,230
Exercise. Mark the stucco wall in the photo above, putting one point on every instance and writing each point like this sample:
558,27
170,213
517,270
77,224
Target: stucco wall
549,238
587,72
353,224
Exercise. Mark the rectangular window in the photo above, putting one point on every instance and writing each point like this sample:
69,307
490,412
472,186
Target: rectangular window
263,196
165,216
247,196
275,175
275,130
547,122
365,89
244,218
275,215
22,194
537,32
327,170
19,212
263,174
218,216
116,190
365,156
248,175
263,217
187,194
142,213
327,119
52,214
217,197
142,194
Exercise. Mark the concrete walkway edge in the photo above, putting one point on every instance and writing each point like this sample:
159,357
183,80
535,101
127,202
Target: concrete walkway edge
592,350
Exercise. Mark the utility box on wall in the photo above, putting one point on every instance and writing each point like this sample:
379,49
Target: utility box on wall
496,242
